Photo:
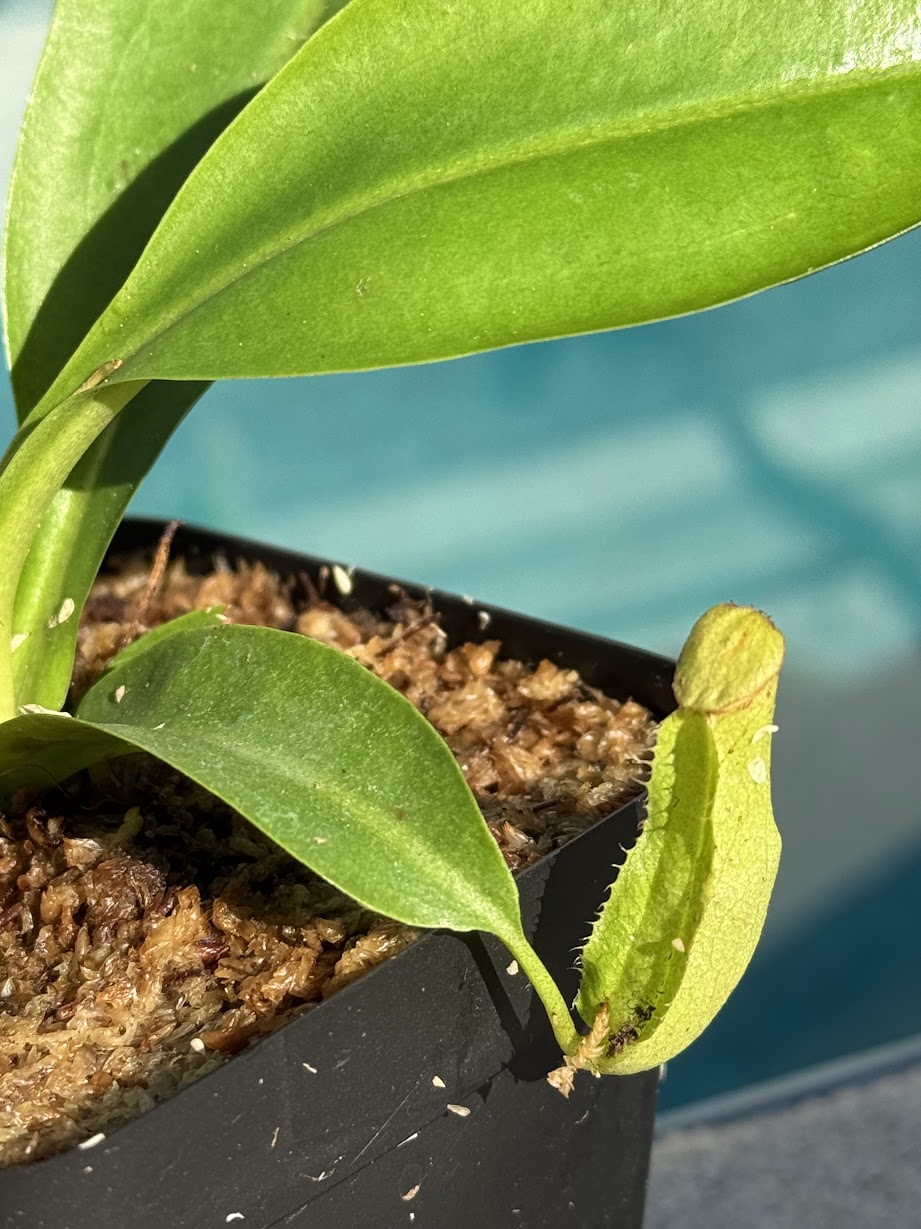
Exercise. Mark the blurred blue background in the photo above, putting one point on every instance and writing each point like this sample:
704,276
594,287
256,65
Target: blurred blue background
768,452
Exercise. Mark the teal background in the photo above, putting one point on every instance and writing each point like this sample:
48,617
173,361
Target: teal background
768,452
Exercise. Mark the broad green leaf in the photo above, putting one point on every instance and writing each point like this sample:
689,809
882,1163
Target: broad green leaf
428,179
127,98
687,908
330,762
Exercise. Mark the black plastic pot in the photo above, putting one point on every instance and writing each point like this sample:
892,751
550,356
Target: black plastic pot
343,1118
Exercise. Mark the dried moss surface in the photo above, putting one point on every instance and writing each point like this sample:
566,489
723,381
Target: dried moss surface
147,932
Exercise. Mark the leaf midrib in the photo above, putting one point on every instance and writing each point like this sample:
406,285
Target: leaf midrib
556,143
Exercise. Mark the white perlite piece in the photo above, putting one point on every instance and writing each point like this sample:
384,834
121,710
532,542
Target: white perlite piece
120,693
757,770
233,1216
342,579
678,945
461,1110
512,969
308,1067
438,1081
17,640
92,1141
197,1045
411,1193
68,606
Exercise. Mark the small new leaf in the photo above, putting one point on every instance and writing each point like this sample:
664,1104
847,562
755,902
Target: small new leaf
687,908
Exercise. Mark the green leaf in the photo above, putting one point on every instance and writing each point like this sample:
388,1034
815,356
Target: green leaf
330,762
428,179
687,908
127,98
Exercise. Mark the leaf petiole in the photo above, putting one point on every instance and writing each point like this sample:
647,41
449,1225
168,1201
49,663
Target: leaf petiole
37,466
567,1036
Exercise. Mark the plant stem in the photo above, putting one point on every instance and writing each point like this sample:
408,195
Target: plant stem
37,464
548,991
